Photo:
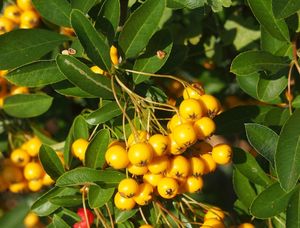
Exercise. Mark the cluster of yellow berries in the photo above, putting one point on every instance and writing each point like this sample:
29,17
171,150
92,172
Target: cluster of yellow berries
23,171
6,89
21,14
170,164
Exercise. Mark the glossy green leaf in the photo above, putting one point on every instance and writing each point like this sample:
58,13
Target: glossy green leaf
276,116
67,201
103,114
262,10
272,201
80,128
283,9
140,26
98,196
35,44
58,222
66,88
191,4
126,224
50,162
248,166
71,214
287,158
232,121
122,216
263,140
43,207
27,105
83,175
84,6
81,75
270,87
293,211
149,62
95,154
15,217
252,61
36,74
108,19
55,11
93,43
273,45
249,83
243,188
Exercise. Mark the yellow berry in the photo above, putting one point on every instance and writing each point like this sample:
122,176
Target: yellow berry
184,135
128,188
144,195
167,187
204,127
19,157
137,170
140,154
116,157
123,203
222,154
79,147
32,146
160,144
31,220
191,109
33,171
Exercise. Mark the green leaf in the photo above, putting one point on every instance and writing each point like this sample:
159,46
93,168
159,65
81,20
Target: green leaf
27,105
83,175
263,140
248,166
296,102
104,114
98,196
287,158
15,217
36,74
252,61
273,45
84,6
270,87
270,202
243,188
249,84
35,44
232,121
276,116
190,4
66,88
122,216
80,128
293,211
43,207
95,154
58,222
55,11
262,10
81,75
51,162
149,62
67,201
283,9
93,43
41,135
108,19
140,26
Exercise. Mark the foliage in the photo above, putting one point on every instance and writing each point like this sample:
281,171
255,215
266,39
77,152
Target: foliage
243,52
